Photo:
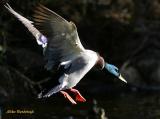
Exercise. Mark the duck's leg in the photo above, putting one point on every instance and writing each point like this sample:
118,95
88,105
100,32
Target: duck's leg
66,95
79,97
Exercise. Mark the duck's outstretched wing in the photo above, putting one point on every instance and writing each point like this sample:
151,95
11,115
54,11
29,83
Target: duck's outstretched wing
63,40
41,39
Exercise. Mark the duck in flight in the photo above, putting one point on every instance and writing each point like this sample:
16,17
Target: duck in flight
62,48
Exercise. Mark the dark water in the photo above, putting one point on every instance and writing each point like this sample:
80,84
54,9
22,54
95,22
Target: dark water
130,105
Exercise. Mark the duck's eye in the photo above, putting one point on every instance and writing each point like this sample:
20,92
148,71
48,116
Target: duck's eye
117,70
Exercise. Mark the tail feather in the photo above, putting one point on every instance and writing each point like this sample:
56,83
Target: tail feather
52,91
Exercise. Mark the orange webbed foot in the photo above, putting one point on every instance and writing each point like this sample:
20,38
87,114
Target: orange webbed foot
66,95
79,97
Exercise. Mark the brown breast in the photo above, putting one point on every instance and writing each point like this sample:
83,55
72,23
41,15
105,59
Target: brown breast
100,63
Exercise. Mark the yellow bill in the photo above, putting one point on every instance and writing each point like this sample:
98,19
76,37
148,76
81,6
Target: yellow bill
122,79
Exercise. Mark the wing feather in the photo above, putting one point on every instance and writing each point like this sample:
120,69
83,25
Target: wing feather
41,40
63,40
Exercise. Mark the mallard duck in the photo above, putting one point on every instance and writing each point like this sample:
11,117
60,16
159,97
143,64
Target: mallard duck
63,49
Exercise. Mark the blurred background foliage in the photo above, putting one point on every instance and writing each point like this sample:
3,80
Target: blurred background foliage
124,32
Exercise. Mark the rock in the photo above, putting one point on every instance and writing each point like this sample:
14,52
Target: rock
97,112
144,74
14,86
